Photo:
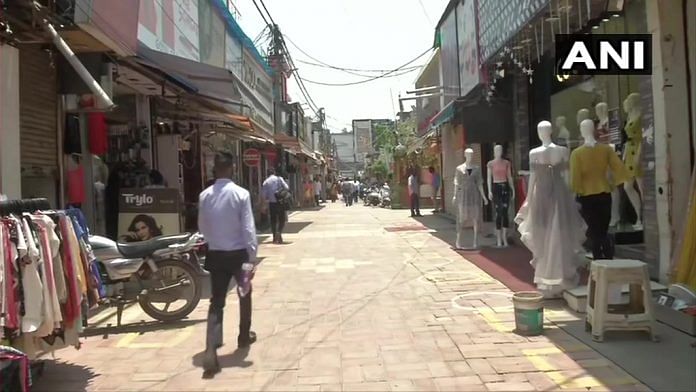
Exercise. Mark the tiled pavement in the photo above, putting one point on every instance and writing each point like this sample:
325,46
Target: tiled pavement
348,306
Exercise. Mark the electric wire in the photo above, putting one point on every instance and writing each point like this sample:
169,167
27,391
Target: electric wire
372,78
351,69
261,13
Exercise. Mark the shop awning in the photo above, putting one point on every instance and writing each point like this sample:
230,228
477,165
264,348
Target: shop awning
208,81
290,143
445,115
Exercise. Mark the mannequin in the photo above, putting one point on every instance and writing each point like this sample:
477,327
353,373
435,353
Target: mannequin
549,222
603,136
602,132
583,114
563,132
590,166
631,158
468,197
501,190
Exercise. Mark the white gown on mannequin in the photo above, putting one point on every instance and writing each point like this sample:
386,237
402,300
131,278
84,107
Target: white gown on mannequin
552,228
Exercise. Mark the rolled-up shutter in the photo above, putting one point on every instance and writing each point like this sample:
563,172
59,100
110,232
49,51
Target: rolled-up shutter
38,101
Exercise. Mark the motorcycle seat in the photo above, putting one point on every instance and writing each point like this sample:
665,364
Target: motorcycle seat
134,250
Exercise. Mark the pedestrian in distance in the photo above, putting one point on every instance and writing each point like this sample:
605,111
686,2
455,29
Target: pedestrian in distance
317,191
273,189
356,190
414,193
435,183
226,221
348,189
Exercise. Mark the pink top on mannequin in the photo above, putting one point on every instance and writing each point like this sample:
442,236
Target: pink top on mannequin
499,169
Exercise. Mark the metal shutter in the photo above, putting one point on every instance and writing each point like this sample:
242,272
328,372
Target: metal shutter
38,100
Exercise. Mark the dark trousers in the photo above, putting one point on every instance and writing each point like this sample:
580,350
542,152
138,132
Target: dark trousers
501,202
415,204
596,211
356,196
223,266
316,200
277,212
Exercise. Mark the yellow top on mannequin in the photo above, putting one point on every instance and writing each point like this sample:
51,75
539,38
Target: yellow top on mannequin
588,169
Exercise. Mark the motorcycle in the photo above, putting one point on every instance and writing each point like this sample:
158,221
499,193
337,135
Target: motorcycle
164,270
372,198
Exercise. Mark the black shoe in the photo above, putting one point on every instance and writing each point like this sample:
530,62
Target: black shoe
280,239
211,366
419,215
244,343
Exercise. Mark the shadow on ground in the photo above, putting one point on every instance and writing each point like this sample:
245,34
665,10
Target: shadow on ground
235,359
295,227
634,352
70,377
141,327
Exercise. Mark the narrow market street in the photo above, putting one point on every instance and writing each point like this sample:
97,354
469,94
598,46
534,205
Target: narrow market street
362,299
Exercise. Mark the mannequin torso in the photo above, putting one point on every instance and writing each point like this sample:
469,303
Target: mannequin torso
549,154
499,169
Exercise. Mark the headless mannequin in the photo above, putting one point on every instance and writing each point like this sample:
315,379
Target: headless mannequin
501,233
587,130
563,132
633,110
467,167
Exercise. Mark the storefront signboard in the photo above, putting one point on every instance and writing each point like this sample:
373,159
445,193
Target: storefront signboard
500,20
212,35
449,58
363,137
251,157
468,46
170,26
147,213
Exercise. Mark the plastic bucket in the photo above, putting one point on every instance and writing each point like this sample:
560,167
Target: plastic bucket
529,312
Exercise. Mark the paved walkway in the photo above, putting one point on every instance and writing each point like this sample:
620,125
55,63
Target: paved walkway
364,299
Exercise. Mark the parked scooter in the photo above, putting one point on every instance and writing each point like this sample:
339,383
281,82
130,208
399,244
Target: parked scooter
372,198
164,274
385,196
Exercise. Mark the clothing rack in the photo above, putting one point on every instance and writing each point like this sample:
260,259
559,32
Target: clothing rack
9,207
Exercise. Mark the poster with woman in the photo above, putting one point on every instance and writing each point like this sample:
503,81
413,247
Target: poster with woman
148,213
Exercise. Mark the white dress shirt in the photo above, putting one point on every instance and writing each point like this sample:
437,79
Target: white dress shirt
271,185
225,218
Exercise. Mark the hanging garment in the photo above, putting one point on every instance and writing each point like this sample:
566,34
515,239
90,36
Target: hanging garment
71,312
76,185
71,142
469,202
98,134
52,312
552,228
501,202
31,281
11,280
17,375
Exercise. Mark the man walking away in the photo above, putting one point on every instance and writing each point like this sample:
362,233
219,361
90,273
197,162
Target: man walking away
277,208
435,183
414,193
226,221
347,188
317,191
356,190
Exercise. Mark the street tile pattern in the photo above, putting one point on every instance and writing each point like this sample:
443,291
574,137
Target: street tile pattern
347,307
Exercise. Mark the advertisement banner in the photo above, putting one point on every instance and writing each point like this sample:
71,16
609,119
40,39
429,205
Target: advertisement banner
499,20
468,46
148,213
363,137
170,26
233,55
449,57
212,35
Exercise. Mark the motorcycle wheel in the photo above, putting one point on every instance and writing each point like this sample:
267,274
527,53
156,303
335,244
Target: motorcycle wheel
171,272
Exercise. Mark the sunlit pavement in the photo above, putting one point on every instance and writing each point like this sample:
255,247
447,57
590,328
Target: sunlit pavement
362,299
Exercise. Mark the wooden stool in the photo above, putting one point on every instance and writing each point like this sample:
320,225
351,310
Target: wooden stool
637,315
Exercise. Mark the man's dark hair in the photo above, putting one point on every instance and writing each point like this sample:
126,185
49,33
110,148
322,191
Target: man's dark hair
224,162
270,171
